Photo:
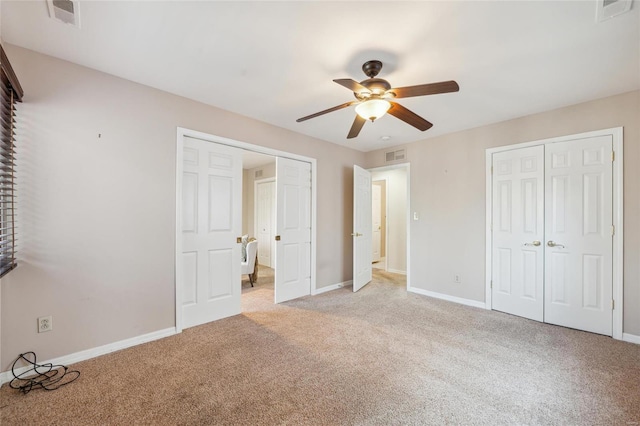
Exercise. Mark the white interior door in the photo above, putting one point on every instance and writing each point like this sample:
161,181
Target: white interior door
376,226
293,229
579,246
361,227
211,215
265,221
518,232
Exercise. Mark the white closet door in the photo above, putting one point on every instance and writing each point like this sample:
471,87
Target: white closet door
293,227
362,269
211,217
265,217
579,250
518,232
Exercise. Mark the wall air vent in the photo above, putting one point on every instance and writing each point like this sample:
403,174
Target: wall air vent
606,9
394,155
65,11
258,174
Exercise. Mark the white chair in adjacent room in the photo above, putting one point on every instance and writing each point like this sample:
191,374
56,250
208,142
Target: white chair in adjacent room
249,265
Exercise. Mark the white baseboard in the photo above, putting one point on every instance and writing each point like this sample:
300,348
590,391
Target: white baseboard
396,271
332,287
6,376
631,338
448,298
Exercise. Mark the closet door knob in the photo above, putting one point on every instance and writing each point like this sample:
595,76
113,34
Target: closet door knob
553,244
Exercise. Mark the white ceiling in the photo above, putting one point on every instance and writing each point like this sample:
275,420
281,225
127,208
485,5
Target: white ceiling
275,61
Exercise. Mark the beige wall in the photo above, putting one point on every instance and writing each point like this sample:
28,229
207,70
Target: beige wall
97,213
448,190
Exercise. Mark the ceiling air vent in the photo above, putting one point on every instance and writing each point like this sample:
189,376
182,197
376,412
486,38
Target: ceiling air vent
394,155
606,9
64,11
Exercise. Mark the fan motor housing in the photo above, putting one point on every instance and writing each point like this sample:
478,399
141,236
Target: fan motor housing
377,87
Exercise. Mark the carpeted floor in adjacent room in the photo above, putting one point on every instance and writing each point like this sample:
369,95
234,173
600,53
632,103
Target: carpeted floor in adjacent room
377,357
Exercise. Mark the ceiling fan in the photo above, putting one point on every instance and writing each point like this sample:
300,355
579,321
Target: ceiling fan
374,99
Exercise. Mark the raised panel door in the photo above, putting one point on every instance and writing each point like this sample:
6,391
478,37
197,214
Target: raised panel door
518,229
293,225
579,250
362,219
210,223
265,217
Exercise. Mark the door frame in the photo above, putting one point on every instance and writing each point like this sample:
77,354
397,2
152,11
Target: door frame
255,212
618,200
407,167
181,133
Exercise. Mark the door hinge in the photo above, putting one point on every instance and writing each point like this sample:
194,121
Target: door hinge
613,155
491,284
613,304
613,230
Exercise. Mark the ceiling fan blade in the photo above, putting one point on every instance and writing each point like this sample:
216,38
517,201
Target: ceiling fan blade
352,85
335,108
409,117
356,127
426,89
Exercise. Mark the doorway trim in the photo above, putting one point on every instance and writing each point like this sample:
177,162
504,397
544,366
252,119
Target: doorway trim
181,133
255,211
407,167
618,198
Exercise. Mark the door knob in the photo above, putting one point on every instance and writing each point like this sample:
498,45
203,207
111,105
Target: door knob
277,237
552,244
535,243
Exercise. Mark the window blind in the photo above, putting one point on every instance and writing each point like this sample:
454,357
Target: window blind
10,94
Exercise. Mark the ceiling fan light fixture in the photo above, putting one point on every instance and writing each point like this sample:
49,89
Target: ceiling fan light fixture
373,109
375,97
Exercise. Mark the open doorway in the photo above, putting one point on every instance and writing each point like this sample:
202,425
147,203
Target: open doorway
258,226
379,224
209,226
390,219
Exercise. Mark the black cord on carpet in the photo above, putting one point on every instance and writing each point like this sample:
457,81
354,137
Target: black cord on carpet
45,376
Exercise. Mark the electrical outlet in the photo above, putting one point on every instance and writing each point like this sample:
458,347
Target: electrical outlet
456,278
45,324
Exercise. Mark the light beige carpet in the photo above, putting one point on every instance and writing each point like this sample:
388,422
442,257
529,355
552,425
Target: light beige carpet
381,356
